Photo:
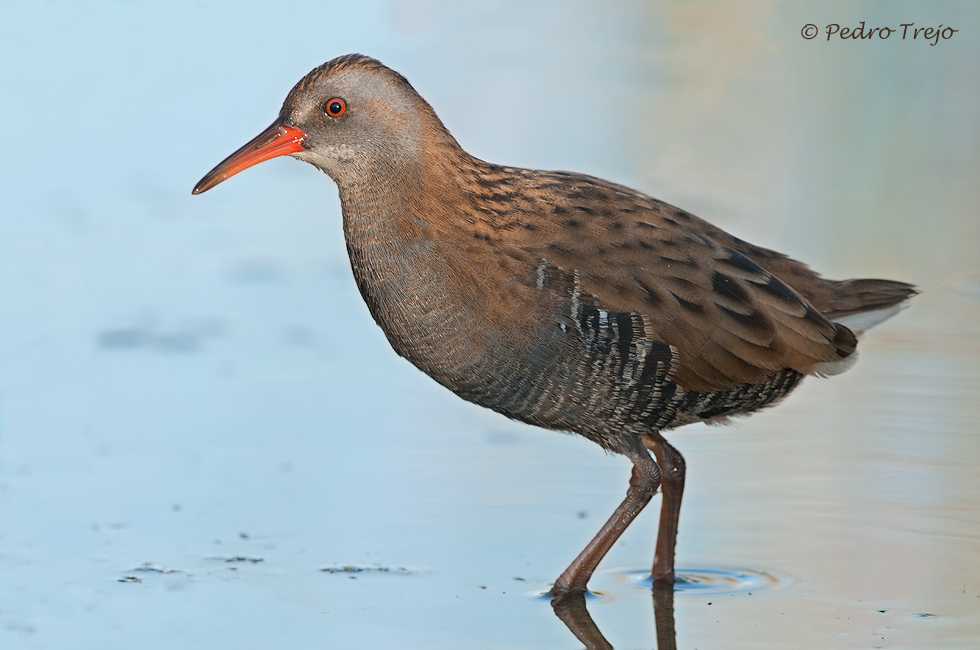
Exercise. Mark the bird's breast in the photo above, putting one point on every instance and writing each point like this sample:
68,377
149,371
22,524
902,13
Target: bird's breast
408,282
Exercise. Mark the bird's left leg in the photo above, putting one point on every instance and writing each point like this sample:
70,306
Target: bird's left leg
643,485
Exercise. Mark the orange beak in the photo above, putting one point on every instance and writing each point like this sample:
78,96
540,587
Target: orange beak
279,139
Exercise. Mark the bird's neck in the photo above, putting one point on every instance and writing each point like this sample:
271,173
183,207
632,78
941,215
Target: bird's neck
404,211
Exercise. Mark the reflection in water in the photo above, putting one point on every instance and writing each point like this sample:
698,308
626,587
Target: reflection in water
663,615
572,611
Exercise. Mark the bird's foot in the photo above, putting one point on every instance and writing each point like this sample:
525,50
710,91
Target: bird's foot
561,593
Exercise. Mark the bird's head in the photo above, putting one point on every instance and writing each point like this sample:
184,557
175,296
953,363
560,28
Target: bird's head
352,117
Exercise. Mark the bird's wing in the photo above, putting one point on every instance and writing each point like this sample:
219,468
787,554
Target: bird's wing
731,321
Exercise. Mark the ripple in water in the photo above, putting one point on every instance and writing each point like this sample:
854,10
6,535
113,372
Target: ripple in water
708,581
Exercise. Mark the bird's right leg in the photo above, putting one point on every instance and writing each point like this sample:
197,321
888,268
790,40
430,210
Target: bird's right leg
643,485
674,468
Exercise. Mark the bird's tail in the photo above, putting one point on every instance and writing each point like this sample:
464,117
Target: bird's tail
859,305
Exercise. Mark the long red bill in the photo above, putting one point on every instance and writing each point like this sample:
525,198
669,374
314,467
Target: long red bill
277,140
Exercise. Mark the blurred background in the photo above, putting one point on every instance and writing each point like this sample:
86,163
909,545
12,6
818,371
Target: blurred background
197,414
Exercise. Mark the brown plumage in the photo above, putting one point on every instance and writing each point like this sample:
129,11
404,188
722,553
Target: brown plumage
560,299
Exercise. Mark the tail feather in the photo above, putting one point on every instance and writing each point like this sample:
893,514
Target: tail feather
862,304
853,297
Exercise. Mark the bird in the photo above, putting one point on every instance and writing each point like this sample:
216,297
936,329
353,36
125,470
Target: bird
560,299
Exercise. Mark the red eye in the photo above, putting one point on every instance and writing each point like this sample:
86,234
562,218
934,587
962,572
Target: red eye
335,107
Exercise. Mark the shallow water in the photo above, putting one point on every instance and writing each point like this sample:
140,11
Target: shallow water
205,442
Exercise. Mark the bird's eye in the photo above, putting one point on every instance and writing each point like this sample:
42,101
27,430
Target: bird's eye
335,107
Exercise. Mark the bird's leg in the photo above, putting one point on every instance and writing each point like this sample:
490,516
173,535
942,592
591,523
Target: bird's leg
643,485
673,468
